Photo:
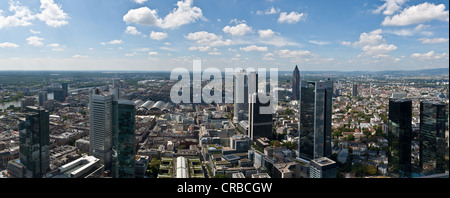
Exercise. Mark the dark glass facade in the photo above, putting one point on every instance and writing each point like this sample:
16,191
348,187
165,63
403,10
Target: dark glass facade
59,95
124,140
315,119
433,118
399,138
34,150
260,125
296,84
65,88
355,90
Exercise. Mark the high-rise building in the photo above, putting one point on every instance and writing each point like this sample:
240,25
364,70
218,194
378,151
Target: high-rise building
34,138
315,119
112,132
259,124
42,98
399,138
240,95
65,88
296,84
101,126
323,168
433,118
124,140
59,95
355,90
25,102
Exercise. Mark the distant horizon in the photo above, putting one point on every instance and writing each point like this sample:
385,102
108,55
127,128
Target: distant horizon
282,71
168,71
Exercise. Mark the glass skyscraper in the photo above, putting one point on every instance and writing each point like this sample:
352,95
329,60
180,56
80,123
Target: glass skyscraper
124,140
65,88
315,119
433,118
295,84
399,138
355,90
34,150
240,95
59,95
260,125
112,132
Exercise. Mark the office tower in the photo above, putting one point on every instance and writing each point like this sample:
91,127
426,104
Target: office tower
112,132
34,138
240,94
296,84
25,102
323,168
101,126
433,120
65,88
240,143
42,98
124,140
315,119
355,90
59,95
399,137
259,125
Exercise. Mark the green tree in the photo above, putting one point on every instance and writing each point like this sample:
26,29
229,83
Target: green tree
275,143
372,170
153,168
351,137
337,133
221,176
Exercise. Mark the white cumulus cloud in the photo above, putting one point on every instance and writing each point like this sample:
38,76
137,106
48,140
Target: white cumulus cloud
390,7
372,44
52,14
254,48
431,55
266,33
132,30
35,41
238,30
185,13
433,40
290,18
22,16
208,39
8,45
140,1
113,42
418,14
200,48
158,35
141,16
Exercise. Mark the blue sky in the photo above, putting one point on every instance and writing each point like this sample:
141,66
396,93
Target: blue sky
343,35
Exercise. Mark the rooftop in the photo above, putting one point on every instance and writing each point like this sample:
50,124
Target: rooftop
323,161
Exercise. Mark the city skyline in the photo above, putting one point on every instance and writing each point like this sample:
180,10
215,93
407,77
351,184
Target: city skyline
150,35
